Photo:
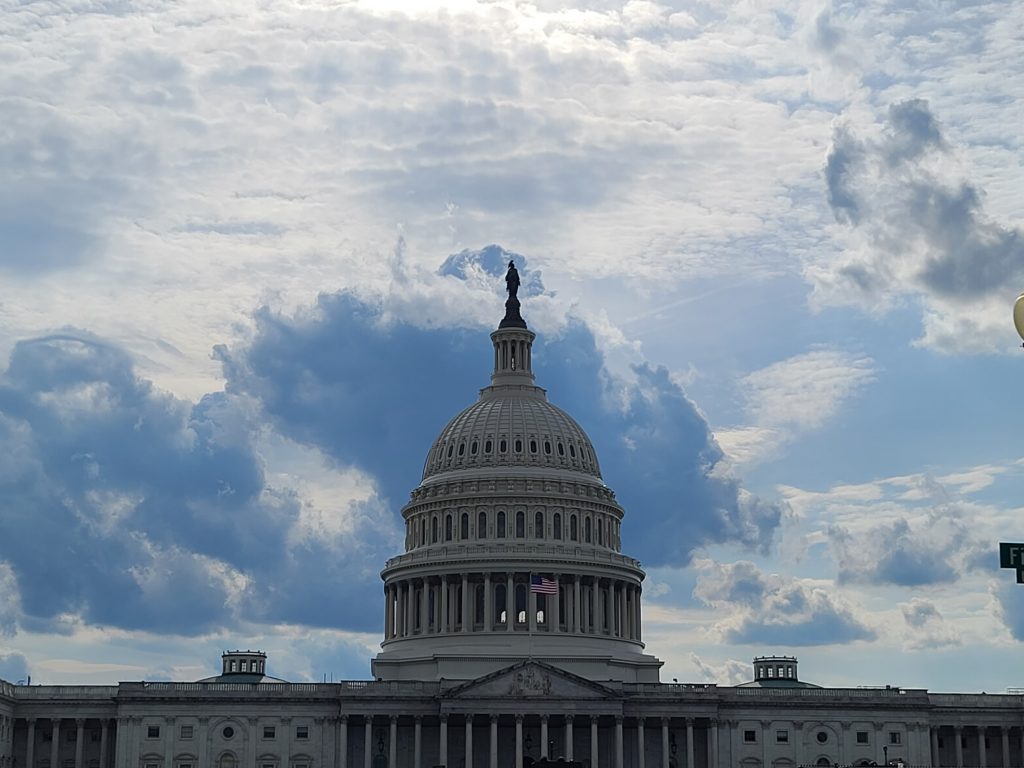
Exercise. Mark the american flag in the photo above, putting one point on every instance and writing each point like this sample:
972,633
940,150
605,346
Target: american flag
543,586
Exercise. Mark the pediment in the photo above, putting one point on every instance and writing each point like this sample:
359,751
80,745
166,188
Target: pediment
530,679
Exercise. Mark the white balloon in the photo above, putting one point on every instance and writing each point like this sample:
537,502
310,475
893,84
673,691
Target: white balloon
1018,315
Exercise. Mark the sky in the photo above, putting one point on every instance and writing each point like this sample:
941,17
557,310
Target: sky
250,254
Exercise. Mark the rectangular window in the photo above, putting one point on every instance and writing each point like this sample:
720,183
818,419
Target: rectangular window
269,732
750,736
153,732
782,737
862,737
302,732
186,731
895,737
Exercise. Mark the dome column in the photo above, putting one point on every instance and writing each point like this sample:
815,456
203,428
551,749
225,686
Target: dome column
465,603
576,626
510,599
531,605
553,621
442,624
488,604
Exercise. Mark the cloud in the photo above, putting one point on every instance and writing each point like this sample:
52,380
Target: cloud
1009,602
729,672
371,382
926,627
13,667
131,508
793,396
775,610
915,227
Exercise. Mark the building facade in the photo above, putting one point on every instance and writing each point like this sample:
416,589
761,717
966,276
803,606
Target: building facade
512,634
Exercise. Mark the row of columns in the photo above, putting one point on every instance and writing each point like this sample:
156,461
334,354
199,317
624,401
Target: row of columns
592,605
459,526
980,731
55,741
597,760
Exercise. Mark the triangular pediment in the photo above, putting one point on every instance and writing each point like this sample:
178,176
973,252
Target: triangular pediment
530,679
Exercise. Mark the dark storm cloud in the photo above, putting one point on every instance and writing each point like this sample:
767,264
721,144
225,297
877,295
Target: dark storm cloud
926,233
774,610
135,509
375,394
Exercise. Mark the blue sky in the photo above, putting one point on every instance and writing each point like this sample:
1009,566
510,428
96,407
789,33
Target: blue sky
250,255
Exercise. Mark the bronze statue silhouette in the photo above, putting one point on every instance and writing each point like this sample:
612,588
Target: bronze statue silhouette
512,280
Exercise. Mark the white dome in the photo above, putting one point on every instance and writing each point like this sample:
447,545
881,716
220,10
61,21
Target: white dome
514,427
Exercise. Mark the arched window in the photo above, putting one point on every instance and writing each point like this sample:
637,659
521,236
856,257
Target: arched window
503,446
433,530
538,525
572,450
500,527
533,446
487,446
448,527
464,526
481,525
472,448
556,524
520,525
499,603
520,603
547,447
586,529
519,445
561,449
574,531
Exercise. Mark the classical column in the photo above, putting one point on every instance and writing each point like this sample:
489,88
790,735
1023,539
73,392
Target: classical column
488,603
55,744
594,746
442,747
519,740
935,746
417,741
544,737
494,741
368,741
387,611
1005,733
664,742
576,625
982,754
641,755
639,617
168,742
469,741
713,744
393,743
30,743
531,606
343,742
442,624
879,743
104,737
958,731
568,737
410,608
80,741
204,742
689,743
510,601
622,610
595,611
465,603
552,621
424,604
618,743
286,745
798,728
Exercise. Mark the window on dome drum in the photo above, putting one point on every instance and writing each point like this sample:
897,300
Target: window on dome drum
573,528
423,531
572,450
547,447
520,603
472,448
586,530
450,449
462,449
481,525
433,530
533,446
556,524
500,527
499,602
520,525
561,449
519,446
503,446
448,527
487,446
464,526
538,525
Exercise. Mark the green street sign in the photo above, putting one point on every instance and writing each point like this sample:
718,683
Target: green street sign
1011,555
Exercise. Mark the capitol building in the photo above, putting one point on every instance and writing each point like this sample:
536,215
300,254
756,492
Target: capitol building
512,636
